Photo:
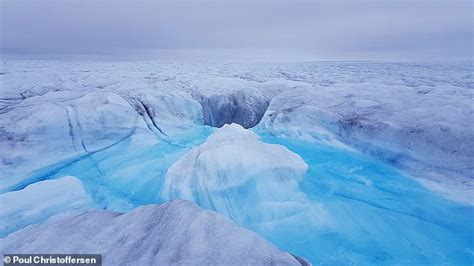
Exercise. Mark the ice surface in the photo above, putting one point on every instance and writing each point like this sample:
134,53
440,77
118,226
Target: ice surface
416,116
175,233
60,124
377,215
41,132
366,131
250,181
403,128
40,201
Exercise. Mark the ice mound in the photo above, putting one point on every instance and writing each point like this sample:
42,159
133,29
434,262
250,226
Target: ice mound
403,129
175,233
64,125
235,173
39,201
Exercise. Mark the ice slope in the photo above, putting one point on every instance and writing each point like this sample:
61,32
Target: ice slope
376,214
175,233
250,181
119,127
40,132
40,201
433,144
346,208
75,121
414,115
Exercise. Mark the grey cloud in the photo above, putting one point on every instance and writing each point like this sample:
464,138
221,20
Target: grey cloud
313,29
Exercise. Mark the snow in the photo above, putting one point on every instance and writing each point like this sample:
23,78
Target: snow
40,201
431,135
412,115
329,167
175,233
62,124
58,128
236,174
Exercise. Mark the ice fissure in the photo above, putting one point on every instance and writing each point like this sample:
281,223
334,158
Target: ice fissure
146,113
239,107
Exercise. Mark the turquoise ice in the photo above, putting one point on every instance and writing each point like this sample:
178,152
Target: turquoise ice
374,214
351,162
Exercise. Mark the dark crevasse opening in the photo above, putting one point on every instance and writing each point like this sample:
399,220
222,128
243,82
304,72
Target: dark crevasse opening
244,109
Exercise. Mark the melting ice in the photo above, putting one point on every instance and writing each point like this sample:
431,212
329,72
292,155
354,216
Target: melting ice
332,171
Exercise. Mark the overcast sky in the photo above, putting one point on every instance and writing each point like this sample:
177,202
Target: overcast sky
281,30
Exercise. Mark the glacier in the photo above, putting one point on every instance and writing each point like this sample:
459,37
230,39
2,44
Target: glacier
40,201
337,162
177,233
251,182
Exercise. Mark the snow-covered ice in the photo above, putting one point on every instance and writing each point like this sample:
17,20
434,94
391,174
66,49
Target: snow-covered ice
431,135
40,201
250,181
175,233
343,144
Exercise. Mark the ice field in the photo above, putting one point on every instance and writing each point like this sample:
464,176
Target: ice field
336,162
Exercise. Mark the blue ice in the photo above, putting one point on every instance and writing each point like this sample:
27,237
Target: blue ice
378,214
